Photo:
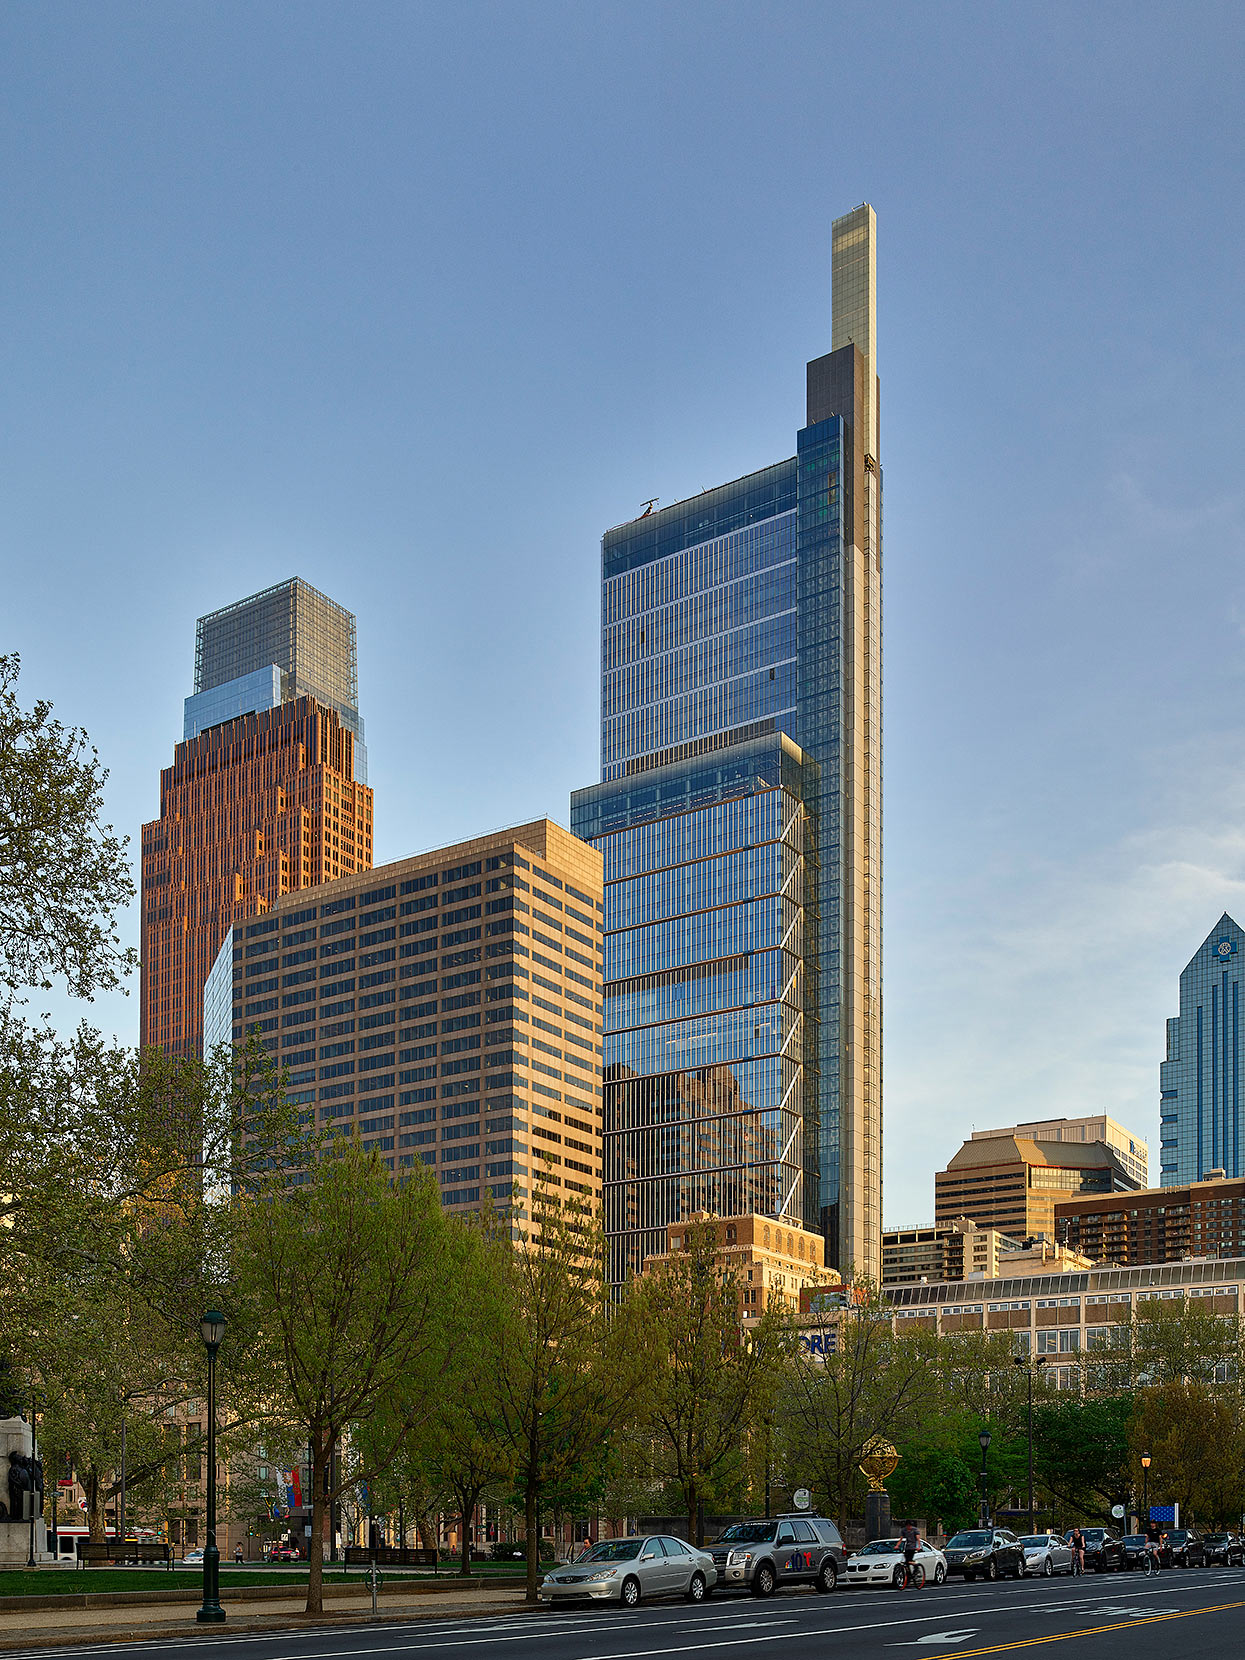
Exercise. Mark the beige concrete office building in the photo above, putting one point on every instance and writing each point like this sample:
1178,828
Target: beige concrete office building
1132,1152
446,1009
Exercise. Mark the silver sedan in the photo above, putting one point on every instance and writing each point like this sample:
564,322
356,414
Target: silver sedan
1046,1553
627,1570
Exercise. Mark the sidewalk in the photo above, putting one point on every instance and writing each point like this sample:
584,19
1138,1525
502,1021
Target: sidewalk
51,1627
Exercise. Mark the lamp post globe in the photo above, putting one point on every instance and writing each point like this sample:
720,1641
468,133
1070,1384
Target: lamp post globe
212,1330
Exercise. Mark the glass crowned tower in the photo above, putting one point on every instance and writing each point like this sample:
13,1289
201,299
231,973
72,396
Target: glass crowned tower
1200,1109
740,821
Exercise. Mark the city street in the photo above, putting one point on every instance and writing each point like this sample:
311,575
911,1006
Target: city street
1109,1617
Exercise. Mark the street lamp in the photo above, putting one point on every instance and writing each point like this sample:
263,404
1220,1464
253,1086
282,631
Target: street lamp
212,1327
984,1440
1023,1360
1145,1487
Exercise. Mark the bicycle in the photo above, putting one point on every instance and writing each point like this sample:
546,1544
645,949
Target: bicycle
1078,1564
1151,1562
913,1574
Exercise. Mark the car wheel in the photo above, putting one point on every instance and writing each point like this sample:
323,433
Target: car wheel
630,1595
897,1577
827,1576
940,1575
1048,1568
763,1581
1021,1569
697,1588
992,1569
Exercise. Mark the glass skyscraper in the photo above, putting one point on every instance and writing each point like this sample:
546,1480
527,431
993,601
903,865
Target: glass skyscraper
1200,1081
740,820
287,642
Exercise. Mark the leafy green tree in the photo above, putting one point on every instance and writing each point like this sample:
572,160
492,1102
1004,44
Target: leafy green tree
705,1378
1196,1439
934,1482
563,1373
850,1379
1081,1450
63,873
347,1276
1173,1339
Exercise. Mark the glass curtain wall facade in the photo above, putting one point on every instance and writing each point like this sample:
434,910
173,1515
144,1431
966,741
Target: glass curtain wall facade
706,867
747,614
1200,1081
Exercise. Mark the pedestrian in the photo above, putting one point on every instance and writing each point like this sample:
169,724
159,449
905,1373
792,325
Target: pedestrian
910,1539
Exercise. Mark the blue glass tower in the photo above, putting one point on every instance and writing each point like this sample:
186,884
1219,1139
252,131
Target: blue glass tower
740,819
1200,1081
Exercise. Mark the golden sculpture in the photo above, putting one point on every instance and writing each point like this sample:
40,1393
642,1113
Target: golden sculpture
878,1461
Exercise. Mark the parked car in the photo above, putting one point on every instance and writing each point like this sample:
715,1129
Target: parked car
1183,1548
1046,1554
628,1570
1104,1550
193,1558
882,1563
287,1553
991,1552
781,1550
1227,1549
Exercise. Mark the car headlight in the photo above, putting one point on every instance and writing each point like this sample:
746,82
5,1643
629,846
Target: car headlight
739,1556
603,1573
974,1556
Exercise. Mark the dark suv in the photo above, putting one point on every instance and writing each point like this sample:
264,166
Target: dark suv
991,1552
779,1550
1183,1548
1104,1550
1226,1548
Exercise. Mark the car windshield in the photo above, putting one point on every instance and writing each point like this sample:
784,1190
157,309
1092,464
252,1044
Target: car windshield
967,1541
1094,1534
747,1532
881,1547
614,1550
1217,1538
1178,1537
1036,1541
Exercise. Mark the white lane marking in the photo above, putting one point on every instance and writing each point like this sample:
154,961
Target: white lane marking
936,1637
1134,1612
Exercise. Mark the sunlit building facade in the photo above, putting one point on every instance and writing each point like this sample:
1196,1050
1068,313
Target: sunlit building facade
741,661
264,796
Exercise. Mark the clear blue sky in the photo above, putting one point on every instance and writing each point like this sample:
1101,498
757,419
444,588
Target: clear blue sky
414,300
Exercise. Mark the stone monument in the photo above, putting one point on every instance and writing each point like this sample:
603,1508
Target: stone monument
878,1460
21,1496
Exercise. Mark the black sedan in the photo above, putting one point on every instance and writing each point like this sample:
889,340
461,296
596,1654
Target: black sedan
990,1552
1183,1548
1135,1547
1104,1550
1226,1549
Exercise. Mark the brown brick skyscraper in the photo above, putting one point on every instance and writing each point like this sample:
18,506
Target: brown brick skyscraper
256,804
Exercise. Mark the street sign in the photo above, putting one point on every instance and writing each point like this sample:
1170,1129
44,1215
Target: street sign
803,1498
65,1481
1117,1510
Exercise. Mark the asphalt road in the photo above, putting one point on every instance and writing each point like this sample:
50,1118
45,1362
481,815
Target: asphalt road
1109,1617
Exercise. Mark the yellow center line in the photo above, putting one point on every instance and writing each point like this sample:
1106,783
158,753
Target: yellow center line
1089,1631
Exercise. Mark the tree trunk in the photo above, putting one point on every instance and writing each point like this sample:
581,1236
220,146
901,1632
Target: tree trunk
97,1528
691,1514
466,1509
531,1523
315,1545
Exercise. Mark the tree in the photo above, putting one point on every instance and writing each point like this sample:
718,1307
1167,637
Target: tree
1196,1439
1081,1450
934,1482
704,1377
1181,1338
63,873
561,1375
347,1275
850,1379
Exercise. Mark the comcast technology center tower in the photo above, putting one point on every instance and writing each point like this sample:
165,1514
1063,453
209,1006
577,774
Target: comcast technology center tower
740,822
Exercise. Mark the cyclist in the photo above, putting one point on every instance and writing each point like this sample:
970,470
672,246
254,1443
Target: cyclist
1077,1542
1151,1559
910,1540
